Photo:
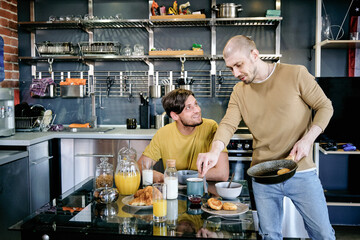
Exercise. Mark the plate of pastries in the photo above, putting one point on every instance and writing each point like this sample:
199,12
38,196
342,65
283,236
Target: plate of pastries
224,208
142,199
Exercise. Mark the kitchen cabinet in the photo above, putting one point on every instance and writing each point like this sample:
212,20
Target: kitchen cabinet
79,158
14,194
205,84
338,171
39,171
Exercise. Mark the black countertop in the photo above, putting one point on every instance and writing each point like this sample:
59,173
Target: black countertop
78,216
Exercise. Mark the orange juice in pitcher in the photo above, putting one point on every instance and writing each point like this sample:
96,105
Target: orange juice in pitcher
127,183
127,174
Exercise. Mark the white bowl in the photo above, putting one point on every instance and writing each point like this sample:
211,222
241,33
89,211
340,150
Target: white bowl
228,193
185,174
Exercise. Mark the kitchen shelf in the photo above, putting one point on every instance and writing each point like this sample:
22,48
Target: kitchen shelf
339,151
128,23
31,26
266,57
62,58
144,23
248,21
339,44
201,22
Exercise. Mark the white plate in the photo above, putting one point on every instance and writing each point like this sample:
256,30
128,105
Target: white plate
128,199
241,209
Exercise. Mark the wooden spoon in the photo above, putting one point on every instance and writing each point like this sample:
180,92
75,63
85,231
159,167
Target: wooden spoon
232,176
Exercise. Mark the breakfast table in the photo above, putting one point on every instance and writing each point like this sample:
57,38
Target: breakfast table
78,216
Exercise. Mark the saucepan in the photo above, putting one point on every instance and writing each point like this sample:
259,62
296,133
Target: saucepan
227,10
267,172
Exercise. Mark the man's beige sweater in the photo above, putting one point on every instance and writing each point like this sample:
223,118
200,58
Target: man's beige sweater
278,112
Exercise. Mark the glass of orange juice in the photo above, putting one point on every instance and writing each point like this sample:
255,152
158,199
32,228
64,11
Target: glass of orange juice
159,202
159,229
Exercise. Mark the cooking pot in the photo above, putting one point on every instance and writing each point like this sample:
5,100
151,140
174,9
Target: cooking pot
227,10
266,172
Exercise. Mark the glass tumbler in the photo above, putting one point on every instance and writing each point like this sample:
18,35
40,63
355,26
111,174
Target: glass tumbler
159,202
147,172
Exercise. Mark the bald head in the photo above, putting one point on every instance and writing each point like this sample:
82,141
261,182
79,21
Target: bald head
238,43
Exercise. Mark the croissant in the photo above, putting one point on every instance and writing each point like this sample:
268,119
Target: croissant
143,197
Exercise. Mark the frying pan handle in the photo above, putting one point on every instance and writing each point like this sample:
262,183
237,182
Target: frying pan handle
290,157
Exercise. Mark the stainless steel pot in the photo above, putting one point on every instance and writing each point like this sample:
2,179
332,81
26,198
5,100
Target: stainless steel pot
155,91
227,10
169,88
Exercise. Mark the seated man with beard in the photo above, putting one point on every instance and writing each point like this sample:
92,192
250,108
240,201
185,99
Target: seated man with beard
185,138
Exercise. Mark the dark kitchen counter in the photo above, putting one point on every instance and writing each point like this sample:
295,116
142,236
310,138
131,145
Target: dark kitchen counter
77,216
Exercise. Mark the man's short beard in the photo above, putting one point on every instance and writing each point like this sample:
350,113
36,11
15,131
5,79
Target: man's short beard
191,125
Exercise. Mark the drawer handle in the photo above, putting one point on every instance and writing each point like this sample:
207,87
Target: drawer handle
94,155
40,160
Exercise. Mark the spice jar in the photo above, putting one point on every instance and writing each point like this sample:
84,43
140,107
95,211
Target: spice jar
104,175
104,181
127,174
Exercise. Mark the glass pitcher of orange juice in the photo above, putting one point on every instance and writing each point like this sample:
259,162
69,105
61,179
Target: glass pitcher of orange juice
127,174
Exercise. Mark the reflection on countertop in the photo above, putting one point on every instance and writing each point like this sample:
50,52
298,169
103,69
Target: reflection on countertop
77,215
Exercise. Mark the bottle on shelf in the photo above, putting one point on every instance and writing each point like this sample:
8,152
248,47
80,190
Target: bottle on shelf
171,179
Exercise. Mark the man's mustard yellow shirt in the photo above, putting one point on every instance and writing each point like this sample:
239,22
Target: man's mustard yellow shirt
169,143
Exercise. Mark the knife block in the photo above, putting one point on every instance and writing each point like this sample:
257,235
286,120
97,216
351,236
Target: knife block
144,116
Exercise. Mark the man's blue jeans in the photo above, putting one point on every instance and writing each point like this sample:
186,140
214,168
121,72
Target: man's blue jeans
306,192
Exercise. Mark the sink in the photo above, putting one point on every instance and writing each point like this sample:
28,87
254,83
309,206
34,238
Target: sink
95,130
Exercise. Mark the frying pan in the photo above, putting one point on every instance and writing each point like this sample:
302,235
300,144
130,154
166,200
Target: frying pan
266,172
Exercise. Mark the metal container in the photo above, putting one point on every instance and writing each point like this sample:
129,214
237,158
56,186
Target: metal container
187,87
102,47
72,91
56,48
7,112
227,10
169,88
160,120
155,91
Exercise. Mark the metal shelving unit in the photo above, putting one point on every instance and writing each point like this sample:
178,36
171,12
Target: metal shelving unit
319,44
145,23
149,24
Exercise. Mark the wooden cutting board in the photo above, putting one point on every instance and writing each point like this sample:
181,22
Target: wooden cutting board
190,16
176,52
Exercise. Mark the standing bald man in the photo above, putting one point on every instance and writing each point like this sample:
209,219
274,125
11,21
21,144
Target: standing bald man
276,102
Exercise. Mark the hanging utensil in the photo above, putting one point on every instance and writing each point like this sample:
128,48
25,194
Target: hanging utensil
220,80
130,93
50,61
109,83
182,60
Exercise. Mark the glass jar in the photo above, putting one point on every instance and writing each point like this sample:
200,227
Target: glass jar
127,174
104,174
127,51
171,179
138,50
